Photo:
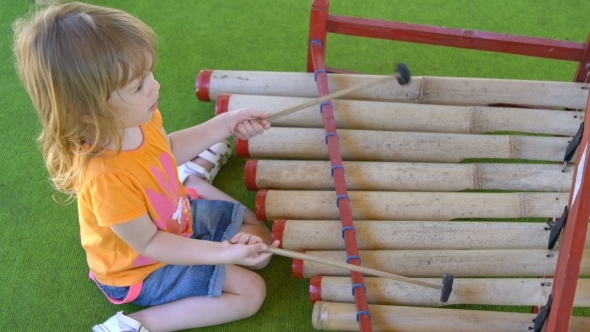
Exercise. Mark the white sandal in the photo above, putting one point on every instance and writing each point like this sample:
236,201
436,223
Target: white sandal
218,154
119,323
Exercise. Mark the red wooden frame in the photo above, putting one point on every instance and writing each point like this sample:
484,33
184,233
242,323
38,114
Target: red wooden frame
322,23
342,201
573,237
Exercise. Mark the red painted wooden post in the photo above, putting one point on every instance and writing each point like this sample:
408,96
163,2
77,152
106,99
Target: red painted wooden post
342,200
469,39
584,66
572,240
317,28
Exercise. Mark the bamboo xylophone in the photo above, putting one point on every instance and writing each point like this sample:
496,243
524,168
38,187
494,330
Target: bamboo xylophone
438,182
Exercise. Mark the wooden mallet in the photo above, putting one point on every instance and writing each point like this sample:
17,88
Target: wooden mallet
446,287
402,75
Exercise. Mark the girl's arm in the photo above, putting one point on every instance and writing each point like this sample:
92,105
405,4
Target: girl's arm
186,144
142,235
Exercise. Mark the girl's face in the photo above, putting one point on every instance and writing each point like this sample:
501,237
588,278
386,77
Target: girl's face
136,102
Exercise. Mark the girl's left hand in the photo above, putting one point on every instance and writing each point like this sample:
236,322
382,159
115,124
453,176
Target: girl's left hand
245,238
246,249
248,122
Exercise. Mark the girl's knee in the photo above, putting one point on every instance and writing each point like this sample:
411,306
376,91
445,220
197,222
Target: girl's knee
248,286
257,292
253,297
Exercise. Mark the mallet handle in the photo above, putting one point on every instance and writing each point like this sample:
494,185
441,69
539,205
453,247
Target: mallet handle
351,267
333,95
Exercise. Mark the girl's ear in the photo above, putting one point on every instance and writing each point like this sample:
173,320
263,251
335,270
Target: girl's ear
86,118
81,108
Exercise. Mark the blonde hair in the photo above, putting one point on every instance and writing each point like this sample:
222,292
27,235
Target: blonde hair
70,58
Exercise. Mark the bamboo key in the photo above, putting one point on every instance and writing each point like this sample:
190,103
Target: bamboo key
402,75
446,287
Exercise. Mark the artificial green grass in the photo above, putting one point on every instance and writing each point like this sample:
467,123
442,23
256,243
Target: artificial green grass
43,282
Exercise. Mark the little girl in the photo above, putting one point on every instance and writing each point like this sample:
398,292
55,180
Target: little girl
148,240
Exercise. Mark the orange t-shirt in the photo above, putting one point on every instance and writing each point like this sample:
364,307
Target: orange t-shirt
123,187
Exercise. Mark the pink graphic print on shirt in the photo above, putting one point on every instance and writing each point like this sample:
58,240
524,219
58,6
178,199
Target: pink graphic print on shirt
166,203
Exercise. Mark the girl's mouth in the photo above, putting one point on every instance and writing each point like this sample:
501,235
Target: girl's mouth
154,106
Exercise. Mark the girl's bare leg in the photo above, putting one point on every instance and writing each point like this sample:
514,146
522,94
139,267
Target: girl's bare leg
243,294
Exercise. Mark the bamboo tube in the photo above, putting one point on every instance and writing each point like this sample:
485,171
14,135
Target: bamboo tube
399,176
372,145
342,317
413,235
425,89
428,206
373,115
498,291
434,263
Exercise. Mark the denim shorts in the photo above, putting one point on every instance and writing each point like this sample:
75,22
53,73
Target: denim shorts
213,221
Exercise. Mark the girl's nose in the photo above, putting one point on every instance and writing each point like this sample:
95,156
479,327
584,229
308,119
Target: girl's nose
156,87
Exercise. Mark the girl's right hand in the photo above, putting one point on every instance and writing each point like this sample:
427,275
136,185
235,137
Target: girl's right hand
248,122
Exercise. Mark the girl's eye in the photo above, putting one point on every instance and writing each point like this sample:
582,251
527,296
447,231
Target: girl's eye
139,87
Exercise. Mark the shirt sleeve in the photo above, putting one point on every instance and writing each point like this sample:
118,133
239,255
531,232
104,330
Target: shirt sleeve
114,198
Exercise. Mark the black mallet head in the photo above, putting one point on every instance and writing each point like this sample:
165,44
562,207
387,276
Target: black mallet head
447,287
404,74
